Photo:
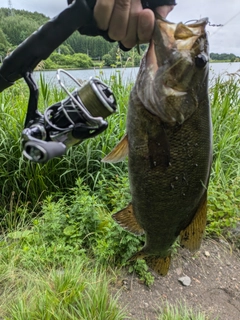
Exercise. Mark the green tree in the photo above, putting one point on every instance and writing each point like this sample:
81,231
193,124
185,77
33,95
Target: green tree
95,47
77,60
17,25
17,28
108,60
4,44
223,56
65,49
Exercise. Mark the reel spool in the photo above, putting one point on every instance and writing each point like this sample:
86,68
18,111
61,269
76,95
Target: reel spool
78,117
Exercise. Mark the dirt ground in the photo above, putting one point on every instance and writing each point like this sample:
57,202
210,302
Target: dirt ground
215,285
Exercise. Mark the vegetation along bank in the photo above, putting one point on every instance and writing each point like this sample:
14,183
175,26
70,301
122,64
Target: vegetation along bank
60,250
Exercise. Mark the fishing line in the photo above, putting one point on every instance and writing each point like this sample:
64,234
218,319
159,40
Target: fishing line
222,25
219,26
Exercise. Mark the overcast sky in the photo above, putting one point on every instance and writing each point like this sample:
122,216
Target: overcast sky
226,12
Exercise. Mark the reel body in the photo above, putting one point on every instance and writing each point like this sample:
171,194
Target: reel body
66,123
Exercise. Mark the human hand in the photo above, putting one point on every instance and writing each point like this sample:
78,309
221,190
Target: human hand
126,21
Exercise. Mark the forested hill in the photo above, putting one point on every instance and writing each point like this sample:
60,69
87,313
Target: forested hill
17,25
77,51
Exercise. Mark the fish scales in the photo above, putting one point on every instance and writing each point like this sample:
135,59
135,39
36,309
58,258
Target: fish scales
169,143
169,184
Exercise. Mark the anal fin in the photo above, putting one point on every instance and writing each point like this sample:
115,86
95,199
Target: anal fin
126,219
191,237
119,152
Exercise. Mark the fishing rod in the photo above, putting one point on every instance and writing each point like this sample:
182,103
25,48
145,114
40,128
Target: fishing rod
81,115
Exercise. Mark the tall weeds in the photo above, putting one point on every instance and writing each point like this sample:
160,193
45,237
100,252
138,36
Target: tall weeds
224,189
17,175
25,182
225,102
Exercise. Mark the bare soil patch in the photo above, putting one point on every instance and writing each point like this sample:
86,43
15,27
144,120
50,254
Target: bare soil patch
215,285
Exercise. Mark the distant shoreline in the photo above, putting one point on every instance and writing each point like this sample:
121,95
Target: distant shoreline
118,67
223,61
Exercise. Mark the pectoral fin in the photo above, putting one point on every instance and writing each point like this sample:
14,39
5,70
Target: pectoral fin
191,237
119,152
126,219
158,264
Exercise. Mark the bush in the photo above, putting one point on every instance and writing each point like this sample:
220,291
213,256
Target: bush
76,60
80,224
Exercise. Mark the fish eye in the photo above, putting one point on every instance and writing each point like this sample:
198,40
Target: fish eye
201,60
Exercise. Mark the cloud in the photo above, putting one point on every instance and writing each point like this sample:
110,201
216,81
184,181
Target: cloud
49,8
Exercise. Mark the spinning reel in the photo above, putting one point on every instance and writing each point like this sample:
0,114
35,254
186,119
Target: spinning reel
78,117
66,123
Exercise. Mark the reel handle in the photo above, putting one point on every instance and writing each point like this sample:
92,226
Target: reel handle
41,151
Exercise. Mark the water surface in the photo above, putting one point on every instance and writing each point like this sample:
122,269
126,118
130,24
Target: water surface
128,74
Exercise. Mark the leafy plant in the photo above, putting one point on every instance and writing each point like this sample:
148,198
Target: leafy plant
223,208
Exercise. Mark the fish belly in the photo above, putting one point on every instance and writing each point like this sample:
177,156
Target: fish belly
168,171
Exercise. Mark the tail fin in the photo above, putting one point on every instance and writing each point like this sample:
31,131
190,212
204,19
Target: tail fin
158,264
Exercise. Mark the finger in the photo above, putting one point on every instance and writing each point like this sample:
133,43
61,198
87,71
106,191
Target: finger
163,11
146,22
119,20
102,13
131,38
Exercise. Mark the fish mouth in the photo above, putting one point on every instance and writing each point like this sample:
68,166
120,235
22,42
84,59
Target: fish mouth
183,36
170,38
175,69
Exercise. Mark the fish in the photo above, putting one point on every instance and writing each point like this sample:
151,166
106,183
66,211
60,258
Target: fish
168,142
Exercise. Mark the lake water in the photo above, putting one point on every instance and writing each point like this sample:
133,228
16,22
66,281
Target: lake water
127,74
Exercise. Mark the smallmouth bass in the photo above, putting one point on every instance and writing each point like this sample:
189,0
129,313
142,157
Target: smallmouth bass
168,143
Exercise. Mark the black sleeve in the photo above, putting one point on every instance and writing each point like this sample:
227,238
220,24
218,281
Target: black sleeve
91,28
152,4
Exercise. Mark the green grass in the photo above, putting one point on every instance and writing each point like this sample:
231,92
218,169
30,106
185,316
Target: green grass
78,291
224,191
25,184
37,181
180,311
225,99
